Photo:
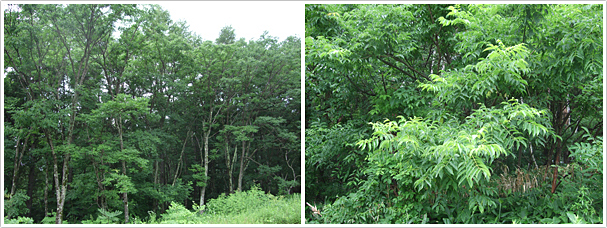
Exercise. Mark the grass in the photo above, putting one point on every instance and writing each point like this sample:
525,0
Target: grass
250,207
279,210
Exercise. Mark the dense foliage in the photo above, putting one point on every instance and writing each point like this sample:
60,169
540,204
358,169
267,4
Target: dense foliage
255,206
114,113
454,113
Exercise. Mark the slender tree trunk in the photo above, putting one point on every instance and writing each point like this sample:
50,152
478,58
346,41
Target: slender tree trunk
162,178
533,156
202,192
241,173
125,196
46,189
59,187
17,163
556,162
231,169
30,188
156,174
558,129
99,177
66,159
206,165
181,156
207,135
156,184
520,156
61,202
206,160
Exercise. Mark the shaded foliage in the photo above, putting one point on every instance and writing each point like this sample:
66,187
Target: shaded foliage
464,104
118,111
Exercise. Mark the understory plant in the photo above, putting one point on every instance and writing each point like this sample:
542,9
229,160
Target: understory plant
421,170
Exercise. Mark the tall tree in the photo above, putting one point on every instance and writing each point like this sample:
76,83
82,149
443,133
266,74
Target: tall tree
474,91
128,111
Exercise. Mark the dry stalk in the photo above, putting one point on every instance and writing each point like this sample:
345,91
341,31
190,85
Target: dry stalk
315,211
523,180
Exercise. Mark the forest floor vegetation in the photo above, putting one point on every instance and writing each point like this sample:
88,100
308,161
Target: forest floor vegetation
247,207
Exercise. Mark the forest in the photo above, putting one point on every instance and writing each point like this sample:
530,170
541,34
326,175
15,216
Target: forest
117,114
458,113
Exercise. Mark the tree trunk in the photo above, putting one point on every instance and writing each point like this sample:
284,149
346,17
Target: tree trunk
156,174
181,156
556,163
558,146
99,177
162,178
520,156
241,173
30,188
45,189
61,198
231,169
125,196
206,165
533,156
17,164
156,184
60,188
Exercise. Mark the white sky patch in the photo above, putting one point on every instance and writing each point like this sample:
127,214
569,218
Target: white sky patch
249,19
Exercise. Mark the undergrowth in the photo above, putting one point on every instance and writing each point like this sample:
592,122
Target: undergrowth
249,207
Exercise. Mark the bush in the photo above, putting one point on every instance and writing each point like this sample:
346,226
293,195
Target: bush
51,219
276,210
250,207
238,202
19,220
178,214
15,206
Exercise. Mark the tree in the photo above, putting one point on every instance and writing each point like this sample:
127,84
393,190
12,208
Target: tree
478,90
128,111
226,35
120,112
89,25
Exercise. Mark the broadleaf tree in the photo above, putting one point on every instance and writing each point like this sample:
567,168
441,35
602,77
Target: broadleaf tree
124,114
460,113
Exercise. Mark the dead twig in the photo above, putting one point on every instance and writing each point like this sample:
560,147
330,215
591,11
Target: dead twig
314,210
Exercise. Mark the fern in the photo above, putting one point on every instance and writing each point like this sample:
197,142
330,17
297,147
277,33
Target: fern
107,217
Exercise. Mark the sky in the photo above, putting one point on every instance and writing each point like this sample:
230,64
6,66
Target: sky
249,19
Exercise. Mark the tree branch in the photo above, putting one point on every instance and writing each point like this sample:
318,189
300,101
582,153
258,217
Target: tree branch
358,88
399,69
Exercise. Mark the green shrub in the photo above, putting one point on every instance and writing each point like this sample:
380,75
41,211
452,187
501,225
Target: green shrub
250,207
51,219
277,210
238,201
178,214
15,206
19,220
107,217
